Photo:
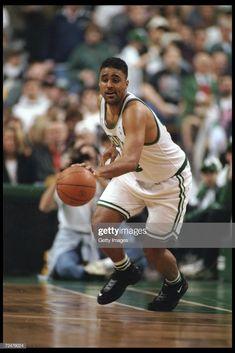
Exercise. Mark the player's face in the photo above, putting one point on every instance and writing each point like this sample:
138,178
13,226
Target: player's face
113,85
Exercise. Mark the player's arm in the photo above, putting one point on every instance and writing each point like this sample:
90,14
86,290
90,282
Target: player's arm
134,123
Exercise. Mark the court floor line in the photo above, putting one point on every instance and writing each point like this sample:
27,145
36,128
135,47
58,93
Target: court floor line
151,293
60,318
93,297
137,290
28,316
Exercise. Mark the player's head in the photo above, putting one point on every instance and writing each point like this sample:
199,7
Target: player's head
113,80
115,63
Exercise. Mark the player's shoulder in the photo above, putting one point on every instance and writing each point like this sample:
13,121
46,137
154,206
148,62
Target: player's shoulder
135,104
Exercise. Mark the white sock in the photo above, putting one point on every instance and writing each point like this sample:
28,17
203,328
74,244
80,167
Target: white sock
176,280
122,264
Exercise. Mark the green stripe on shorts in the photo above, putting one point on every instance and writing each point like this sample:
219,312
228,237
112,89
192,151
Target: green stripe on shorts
181,202
111,205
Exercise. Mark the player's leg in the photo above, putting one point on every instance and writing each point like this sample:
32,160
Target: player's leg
125,272
174,286
164,221
164,262
106,216
115,205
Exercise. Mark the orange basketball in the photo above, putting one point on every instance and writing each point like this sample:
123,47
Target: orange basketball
76,186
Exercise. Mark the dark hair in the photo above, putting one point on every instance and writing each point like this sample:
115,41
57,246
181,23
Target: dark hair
116,63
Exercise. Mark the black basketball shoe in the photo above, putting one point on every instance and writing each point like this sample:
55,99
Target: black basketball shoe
117,284
169,296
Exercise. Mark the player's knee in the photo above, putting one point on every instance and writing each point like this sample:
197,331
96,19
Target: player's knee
104,215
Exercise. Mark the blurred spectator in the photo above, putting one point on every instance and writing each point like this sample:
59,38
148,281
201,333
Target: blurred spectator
34,33
200,16
49,147
213,205
131,54
86,58
186,43
199,92
213,199
156,27
73,247
199,40
90,112
66,30
134,16
206,194
57,93
6,27
224,43
41,71
220,64
6,20
71,119
202,133
201,80
32,103
19,165
103,14
84,135
14,63
7,115
168,83
225,174
14,67
225,104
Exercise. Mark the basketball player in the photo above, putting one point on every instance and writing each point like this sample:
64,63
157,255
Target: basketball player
147,170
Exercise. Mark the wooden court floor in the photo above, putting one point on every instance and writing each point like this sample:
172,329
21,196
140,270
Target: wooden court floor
66,314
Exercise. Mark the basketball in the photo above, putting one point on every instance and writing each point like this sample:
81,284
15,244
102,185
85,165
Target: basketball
76,186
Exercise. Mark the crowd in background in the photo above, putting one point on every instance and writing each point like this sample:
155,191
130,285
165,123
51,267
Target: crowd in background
180,63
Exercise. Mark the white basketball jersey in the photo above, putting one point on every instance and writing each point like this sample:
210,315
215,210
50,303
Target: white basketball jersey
159,160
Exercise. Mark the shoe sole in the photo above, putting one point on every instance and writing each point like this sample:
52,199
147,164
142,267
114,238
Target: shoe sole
152,308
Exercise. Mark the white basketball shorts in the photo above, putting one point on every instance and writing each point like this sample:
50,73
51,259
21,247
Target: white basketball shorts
166,201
